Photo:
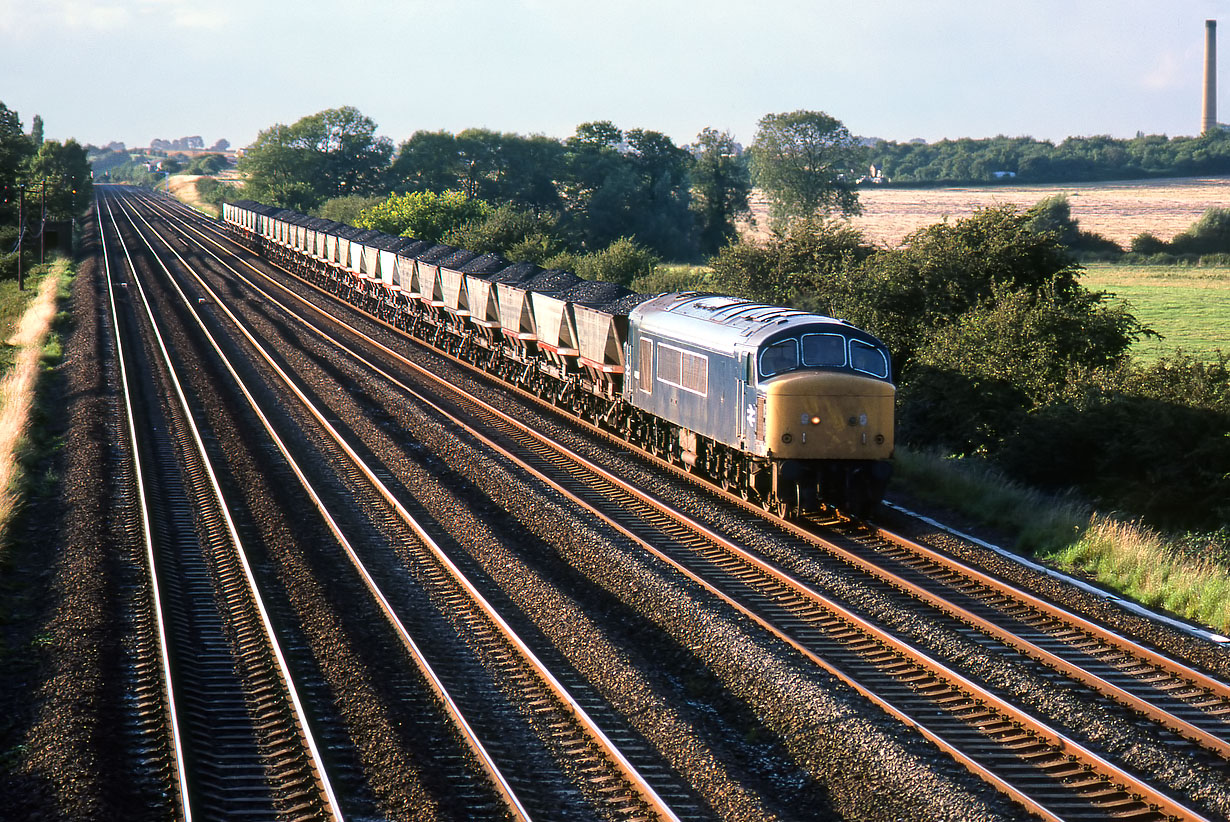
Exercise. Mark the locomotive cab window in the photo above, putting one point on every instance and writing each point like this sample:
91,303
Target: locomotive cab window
779,358
868,359
824,350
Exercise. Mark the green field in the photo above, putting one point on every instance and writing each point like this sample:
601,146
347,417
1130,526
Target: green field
1189,306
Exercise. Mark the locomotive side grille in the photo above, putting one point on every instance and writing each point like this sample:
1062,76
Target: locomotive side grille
644,364
760,421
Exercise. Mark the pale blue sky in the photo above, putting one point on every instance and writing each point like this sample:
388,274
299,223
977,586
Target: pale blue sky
134,70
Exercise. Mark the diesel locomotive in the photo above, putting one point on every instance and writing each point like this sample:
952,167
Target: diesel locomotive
791,410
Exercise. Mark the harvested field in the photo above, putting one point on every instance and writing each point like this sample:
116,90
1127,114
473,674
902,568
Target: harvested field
1118,210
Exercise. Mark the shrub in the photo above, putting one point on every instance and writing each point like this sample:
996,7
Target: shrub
1208,235
424,215
346,210
1148,243
518,234
621,262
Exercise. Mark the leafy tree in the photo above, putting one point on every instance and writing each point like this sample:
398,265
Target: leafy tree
806,162
721,186
36,131
1054,214
621,262
492,166
15,149
346,210
66,170
519,235
942,271
1208,235
423,215
634,185
428,161
974,380
803,266
332,153
207,164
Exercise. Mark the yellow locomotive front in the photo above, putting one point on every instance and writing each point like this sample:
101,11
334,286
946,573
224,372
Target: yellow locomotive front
828,415
825,419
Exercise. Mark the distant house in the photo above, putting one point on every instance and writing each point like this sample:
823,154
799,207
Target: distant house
1003,175
874,175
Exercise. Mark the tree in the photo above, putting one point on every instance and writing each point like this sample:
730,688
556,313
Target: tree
720,188
15,148
36,131
423,215
517,234
806,162
627,185
66,170
428,161
332,153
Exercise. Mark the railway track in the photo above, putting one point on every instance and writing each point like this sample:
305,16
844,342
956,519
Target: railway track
1044,768
243,746
609,782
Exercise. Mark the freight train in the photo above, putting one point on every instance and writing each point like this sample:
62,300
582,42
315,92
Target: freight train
793,411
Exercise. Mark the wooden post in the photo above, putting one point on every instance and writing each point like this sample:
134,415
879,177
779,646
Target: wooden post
42,231
21,208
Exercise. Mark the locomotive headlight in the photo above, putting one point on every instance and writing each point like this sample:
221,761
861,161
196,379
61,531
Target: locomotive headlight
815,420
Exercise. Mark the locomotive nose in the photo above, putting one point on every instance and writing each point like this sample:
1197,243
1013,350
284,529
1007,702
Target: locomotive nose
829,415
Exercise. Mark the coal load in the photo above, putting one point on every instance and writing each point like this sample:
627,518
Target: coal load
516,274
594,293
552,281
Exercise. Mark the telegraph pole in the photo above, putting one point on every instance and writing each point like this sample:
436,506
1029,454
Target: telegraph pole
42,232
21,234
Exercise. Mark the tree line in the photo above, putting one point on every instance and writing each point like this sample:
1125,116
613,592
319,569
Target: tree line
1024,159
598,186
40,172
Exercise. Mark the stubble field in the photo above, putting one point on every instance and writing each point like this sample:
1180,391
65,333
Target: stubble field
1117,211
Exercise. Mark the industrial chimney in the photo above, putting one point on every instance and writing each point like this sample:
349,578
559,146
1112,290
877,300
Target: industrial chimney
1209,122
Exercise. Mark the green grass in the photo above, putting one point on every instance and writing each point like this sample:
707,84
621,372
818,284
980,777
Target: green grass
1185,575
13,304
1188,305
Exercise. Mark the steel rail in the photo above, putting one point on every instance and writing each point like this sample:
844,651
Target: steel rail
1209,685
270,633
181,776
433,679
636,781
1058,663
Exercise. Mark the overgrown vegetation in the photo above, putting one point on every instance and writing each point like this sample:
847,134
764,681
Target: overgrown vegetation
1187,574
26,320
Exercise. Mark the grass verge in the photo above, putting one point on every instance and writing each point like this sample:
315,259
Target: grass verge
1187,575
26,319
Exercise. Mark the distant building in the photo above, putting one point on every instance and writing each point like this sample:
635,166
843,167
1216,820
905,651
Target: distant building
874,176
1003,175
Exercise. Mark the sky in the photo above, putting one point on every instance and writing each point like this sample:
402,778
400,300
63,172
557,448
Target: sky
136,70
